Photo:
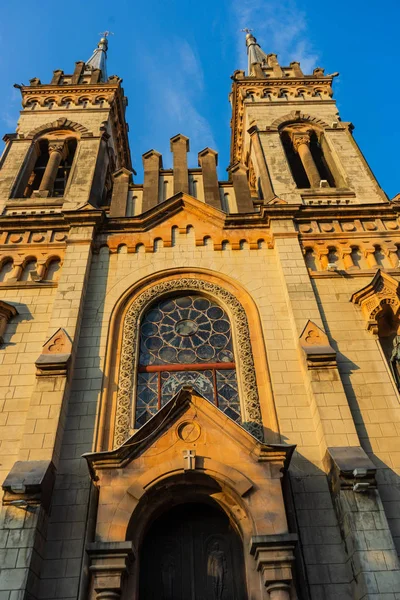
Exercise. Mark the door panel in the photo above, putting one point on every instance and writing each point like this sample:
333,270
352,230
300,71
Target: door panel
192,553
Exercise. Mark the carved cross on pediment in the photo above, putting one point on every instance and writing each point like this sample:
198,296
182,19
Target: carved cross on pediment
189,457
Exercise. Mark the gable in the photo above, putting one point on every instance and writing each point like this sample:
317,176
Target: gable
181,214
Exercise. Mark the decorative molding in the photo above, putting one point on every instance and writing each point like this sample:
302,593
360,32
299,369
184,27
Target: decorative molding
317,349
128,367
383,290
55,355
59,124
297,116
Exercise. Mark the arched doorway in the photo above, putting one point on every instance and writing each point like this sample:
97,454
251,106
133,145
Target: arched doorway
192,552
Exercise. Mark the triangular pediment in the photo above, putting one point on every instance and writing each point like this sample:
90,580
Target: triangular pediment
382,284
191,421
179,203
316,346
382,291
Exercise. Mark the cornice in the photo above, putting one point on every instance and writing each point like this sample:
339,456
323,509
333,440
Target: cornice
269,82
71,88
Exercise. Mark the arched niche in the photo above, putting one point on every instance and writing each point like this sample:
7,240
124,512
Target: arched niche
115,422
380,306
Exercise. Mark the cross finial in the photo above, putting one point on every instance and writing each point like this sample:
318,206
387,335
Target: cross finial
106,33
247,30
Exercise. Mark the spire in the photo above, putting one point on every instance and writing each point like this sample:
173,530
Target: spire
98,59
254,52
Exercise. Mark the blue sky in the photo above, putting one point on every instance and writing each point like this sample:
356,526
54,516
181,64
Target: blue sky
176,58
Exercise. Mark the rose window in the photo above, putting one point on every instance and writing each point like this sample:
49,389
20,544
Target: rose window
186,340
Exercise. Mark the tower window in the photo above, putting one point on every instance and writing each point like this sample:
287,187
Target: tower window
186,340
306,158
52,176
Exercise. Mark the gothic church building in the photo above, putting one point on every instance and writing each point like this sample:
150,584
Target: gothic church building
199,379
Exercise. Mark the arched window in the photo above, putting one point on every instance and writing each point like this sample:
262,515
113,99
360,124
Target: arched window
186,340
57,172
307,160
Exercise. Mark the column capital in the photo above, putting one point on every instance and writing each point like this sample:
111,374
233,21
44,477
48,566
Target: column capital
299,139
109,564
56,146
274,555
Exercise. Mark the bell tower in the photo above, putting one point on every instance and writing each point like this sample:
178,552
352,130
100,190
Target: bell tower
71,137
287,133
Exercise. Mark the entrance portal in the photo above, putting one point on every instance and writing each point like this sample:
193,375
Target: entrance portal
192,552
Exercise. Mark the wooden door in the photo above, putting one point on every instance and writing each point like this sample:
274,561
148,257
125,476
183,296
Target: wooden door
192,553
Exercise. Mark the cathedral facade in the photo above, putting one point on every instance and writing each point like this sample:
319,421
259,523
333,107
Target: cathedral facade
199,379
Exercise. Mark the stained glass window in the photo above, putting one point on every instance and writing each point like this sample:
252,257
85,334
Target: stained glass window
186,340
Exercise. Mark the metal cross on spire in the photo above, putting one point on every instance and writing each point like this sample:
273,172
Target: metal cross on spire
106,33
247,30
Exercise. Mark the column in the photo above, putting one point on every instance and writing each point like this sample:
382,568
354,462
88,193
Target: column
301,143
208,160
347,259
56,152
274,556
369,253
180,148
323,259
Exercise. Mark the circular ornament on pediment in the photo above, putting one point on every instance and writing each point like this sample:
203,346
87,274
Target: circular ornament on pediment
188,431
391,225
306,228
327,227
60,237
37,237
15,238
349,226
370,226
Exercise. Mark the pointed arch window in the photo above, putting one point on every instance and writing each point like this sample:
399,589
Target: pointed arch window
186,340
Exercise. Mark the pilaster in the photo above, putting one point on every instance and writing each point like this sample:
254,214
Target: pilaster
334,425
110,564
274,556
370,548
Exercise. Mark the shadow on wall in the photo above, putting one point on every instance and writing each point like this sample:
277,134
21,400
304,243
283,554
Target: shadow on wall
360,399
24,314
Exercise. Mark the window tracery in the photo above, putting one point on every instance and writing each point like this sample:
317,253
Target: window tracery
127,378
186,340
